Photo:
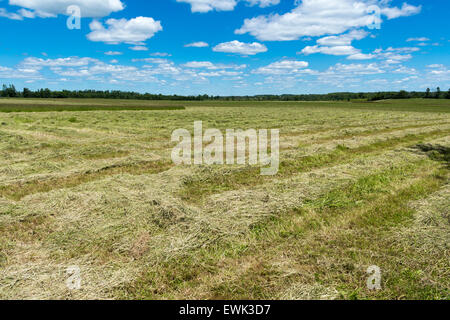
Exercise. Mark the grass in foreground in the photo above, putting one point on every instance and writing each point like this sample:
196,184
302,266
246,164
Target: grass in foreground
324,246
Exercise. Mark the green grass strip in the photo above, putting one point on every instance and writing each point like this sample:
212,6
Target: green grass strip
17,191
72,108
196,189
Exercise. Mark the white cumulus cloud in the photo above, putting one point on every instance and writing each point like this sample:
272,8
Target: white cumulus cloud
405,10
224,5
10,15
263,3
240,47
212,66
89,8
355,69
419,39
335,51
139,48
113,53
199,44
320,17
339,46
133,31
283,67
395,55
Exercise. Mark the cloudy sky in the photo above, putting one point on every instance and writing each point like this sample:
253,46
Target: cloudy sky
226,47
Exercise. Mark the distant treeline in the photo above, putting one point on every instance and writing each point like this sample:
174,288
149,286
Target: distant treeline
10,91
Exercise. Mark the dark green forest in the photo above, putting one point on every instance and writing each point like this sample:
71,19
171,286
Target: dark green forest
11,92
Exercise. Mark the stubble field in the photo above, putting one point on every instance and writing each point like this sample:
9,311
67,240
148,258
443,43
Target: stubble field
360,184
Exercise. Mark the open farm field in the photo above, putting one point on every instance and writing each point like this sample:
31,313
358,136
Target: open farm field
91,183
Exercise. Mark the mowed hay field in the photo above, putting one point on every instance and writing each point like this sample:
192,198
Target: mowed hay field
360,184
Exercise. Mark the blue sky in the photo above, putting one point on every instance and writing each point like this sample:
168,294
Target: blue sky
226,47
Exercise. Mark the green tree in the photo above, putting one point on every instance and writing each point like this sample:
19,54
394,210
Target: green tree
427,95
27,93
402,94
9,91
